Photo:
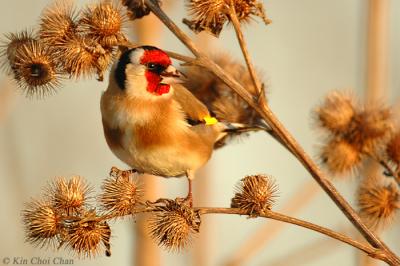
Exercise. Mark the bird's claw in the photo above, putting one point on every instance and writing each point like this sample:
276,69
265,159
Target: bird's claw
188,200
117,173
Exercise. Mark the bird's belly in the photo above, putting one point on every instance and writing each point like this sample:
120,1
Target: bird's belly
166,160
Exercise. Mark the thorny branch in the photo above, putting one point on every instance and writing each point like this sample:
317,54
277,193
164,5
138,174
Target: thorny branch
372,252
150,207
243,46
289,141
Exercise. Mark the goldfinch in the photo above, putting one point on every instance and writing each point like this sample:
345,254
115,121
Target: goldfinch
153,123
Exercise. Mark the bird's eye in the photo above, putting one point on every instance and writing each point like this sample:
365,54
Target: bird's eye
151,66
156,68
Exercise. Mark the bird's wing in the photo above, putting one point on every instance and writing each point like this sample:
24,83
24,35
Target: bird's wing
195,111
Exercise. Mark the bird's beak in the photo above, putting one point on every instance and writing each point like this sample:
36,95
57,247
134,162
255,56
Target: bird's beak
172,76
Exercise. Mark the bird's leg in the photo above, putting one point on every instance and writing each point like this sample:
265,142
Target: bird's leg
189,197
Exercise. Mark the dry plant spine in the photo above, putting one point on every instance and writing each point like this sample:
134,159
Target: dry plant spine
173,224
255,194
63,217
352,132
378,202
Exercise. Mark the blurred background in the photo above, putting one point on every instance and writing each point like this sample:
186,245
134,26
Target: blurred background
312,47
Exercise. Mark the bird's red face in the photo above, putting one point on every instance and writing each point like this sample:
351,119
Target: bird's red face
145,71
159,71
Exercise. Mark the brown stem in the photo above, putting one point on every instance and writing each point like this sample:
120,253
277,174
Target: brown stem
243,47
180,57
371,251
173,27
267,114
258,239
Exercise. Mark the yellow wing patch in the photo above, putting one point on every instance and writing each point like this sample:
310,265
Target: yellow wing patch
210,120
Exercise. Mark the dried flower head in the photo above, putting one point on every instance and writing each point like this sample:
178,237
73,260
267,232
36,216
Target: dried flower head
41,223
173,224
137,8
87,236
58,23
69,195
119,195
211,15
225,104
105,57
355,132
245,9
34,69
378,202
340,157
371,129
13,42
84,57
393,148
208,16
336,112
255,194
104,23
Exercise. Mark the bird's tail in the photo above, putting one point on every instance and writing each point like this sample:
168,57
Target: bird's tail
233,130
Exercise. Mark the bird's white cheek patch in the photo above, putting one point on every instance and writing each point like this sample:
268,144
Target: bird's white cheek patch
137,55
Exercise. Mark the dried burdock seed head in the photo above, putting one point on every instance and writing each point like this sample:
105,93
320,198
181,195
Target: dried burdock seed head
378,203
336,112
340,157
376,122
225,104
371,129
393,148
218,97
199,25
89,236
34,69
57,23
357,131
69,194
137,8
105,57
245,9
104,23
80,57
173,224
41,223
211,15
10,45
255,194
119,195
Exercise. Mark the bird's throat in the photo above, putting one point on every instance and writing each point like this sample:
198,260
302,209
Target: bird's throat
154,86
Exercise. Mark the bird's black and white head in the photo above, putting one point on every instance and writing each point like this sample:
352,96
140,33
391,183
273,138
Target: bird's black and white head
145,71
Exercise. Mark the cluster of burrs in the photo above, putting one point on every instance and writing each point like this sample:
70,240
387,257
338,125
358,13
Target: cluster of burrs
64,216
355,135
68,43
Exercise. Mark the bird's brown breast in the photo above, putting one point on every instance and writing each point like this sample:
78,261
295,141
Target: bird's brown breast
113,136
